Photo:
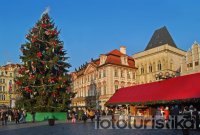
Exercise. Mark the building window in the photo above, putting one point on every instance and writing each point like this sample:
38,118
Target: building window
159,66
122,73
99,74
3,80
2,97
104,73
94,76
0,80
171,66
133,75
150,68
116,87
128,74
2,73
100,93
86,93
142,70
3,88
0,88
91,78
196,63
116,73
81,93
10,74
189,65
104,89
125,60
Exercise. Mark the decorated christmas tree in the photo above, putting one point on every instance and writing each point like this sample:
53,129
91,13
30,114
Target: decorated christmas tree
44,82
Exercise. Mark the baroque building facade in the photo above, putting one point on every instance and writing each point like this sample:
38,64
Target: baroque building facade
161,58
95,82
191,61
8,88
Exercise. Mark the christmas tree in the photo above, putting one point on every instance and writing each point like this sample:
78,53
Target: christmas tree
44,82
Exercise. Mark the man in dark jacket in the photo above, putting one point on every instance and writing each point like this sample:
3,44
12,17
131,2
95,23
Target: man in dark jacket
4,117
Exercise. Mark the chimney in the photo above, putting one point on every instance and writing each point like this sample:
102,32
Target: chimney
123,49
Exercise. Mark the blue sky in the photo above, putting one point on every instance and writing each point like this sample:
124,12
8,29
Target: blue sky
92,27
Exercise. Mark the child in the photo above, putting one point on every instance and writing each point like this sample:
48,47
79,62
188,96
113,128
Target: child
73,118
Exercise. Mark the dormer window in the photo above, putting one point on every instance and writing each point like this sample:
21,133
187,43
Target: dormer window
102,59
124,60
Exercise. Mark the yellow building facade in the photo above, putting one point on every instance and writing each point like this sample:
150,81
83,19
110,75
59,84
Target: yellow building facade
8,93
161,58
191,61
96,81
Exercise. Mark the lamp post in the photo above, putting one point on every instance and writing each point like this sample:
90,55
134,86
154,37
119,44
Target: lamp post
10,100
166,75
97,99
10,92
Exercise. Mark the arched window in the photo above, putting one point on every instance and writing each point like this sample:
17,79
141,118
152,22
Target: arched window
142,70
171,64
159,66
122,73
116,87
150,68
134,75
154,67
128,74
116,72
104,73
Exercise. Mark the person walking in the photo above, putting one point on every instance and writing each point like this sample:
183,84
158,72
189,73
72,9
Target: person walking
67,116
84,118
16,116
187,115
5,117
10,115
24,115
91,115
33,115
73,117
166,116
21,119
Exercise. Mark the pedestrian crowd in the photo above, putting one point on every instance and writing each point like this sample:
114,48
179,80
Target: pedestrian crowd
12,115
78,114
190,112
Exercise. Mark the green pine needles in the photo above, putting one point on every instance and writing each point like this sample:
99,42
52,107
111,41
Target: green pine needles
44,81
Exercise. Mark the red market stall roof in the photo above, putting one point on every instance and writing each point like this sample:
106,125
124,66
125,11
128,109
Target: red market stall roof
178,88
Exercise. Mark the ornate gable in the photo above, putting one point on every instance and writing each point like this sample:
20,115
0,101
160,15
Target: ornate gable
90,68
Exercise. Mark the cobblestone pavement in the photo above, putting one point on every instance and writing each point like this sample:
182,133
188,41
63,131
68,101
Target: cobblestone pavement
62,128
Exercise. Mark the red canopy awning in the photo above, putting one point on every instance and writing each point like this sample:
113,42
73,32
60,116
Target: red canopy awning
178,88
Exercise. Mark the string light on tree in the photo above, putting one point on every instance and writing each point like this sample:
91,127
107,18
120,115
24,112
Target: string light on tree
44,68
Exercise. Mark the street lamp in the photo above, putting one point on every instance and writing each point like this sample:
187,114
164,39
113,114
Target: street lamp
10,100
166,75
97,94
10,92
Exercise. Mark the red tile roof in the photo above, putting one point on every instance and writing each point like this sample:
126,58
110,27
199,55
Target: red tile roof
114,57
